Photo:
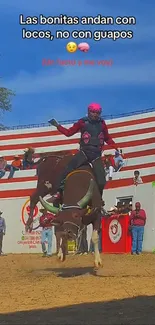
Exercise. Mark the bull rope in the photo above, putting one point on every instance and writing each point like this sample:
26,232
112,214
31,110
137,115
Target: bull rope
78,171
79,235
65,207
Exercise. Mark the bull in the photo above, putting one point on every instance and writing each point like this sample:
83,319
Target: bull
80,191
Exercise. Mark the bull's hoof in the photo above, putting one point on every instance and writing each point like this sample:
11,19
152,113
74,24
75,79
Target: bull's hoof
98,264
29,228
61,256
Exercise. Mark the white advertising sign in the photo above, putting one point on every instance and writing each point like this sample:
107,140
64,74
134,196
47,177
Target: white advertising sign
115,231
16,240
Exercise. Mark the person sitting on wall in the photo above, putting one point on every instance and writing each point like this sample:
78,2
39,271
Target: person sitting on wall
16,165
109,165
119,161
28,162
137,224
137,179
4,166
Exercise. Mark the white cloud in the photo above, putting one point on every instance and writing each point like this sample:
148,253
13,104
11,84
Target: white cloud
82,77
47,6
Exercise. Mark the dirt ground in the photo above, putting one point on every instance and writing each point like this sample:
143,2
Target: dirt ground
37,290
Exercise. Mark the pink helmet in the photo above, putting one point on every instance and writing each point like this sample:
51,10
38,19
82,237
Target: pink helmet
94,107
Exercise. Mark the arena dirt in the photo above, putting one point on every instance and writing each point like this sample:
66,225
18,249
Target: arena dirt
32,283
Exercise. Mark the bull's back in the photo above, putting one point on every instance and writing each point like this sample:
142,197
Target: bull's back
51,169
76,186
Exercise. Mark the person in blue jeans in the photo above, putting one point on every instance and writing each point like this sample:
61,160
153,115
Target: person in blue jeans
119,161
137,224
47,232
4,167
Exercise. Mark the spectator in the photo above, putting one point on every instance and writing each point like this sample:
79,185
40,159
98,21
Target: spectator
4,167
3,164
125,208
119,162
137,179
109,165
47,233
137,223
2,231
112,210
130,208
28,158
117,209
16,165
82,242
121,152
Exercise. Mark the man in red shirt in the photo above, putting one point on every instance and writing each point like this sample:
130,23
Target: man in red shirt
94,133
47,233
137,222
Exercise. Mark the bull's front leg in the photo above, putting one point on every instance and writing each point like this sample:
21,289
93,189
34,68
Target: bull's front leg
95,240
29,223
63,247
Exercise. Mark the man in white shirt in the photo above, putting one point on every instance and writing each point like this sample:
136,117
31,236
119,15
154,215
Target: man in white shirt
2,231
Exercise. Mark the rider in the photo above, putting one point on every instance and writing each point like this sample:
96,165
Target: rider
94,133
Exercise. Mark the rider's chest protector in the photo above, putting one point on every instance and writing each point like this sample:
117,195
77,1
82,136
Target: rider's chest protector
92,134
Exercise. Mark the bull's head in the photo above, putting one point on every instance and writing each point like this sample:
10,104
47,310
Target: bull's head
81,204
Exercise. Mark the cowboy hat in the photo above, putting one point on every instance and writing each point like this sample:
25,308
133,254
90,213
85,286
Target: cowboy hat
111,209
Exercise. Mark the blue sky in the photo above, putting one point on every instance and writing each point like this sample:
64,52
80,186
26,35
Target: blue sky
65,92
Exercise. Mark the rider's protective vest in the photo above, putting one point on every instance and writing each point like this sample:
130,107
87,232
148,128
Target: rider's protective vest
92,134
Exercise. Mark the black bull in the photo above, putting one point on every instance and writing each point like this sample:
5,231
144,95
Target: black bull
80,190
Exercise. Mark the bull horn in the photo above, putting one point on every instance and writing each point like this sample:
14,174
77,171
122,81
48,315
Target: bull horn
85,200
48,207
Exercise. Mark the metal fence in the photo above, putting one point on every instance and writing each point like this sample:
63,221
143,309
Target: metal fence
106,117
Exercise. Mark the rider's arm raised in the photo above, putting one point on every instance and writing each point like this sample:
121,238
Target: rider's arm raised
72,130
108,139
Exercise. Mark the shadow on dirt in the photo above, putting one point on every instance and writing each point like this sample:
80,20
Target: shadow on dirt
67,272
137,310
85,271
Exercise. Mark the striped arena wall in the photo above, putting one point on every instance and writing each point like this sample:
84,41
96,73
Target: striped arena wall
134,134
